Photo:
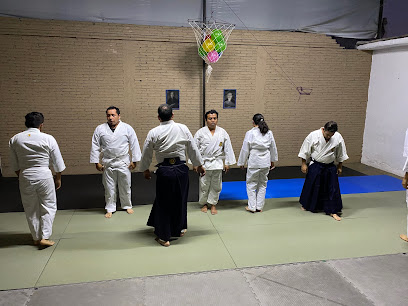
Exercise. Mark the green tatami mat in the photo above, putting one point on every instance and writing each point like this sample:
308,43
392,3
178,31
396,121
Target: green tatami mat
90,247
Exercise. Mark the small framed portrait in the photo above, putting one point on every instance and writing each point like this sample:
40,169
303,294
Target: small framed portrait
173,98
230,98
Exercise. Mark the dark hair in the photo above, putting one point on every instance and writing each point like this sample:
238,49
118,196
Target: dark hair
34,119
331,126
213,111
113,107
260,122
165,112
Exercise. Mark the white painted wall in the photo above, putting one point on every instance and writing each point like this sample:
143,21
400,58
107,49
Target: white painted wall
387,107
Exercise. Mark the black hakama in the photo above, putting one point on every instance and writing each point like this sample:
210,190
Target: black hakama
169,212
321,190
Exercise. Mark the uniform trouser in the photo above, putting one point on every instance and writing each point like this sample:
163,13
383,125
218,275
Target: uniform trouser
210,187
40,205
256,181
120,176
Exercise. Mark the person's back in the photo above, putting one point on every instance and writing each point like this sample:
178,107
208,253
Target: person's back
34,151
31,153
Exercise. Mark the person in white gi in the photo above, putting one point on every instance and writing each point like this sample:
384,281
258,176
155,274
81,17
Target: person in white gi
170,141
321,190
31,153
215,146
259,148
111,142
405,180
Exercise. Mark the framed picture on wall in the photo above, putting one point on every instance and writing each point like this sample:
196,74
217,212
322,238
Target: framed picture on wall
173,98
230,99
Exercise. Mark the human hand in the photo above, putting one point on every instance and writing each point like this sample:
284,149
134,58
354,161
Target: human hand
147,174
195,169
304,168
132,166
339,170
226,168
242,167
405,183
201,170
57,183
99,167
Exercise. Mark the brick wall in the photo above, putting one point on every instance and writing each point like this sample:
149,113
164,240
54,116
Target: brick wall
72,71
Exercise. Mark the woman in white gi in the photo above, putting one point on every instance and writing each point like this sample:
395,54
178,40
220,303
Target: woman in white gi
405,180
31,153
259,149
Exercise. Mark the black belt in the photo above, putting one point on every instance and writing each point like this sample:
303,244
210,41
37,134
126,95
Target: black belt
171,162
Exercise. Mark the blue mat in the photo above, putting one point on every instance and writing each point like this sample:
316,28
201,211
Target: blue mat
293,187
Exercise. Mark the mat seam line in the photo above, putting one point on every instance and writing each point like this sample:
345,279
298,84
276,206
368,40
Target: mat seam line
55,248
235,264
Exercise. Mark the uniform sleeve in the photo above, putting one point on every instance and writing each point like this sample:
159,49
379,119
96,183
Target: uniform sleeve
405,169
13,156
341,152
197,141
56,157
306,148
244,154
134,145
273,150
229,152
95,148
147,153
192,149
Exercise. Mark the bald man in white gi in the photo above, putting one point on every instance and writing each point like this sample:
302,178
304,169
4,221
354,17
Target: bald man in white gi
216,150
405,180
31,153
111,142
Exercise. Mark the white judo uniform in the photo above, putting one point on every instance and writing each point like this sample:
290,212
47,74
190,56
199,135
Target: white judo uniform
214,149
113,149
260,150
315,148
32,152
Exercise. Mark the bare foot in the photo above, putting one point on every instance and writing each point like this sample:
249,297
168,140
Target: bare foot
259,210
214,210
336,217
130,211
183,232
404,237
204,208
108,215
162,242
36,242
46,242
247,209
302,208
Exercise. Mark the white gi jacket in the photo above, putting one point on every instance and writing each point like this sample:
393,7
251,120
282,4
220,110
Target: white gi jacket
169,139
260,150
215,148
114,146
32,152
315,147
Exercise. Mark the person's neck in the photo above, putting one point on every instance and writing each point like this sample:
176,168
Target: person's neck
212,131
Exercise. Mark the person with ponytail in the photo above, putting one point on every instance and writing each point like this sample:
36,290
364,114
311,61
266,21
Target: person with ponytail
260,153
